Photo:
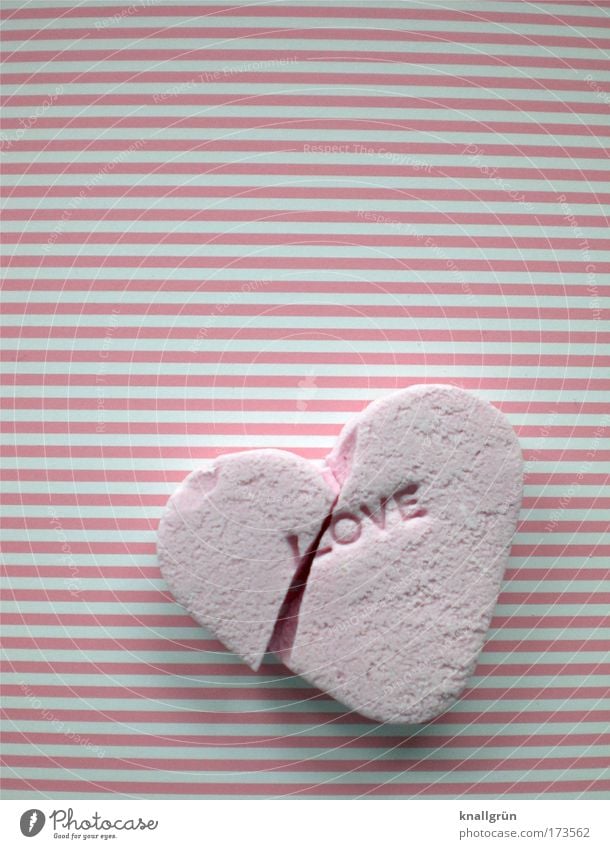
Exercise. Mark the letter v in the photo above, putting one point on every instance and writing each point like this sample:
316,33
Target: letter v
377,516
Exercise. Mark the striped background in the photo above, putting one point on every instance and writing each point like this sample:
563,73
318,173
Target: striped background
188,272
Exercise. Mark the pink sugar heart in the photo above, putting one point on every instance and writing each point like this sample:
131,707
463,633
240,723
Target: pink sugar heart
407,573
373,576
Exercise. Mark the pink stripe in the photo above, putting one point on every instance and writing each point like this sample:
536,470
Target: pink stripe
157,597
578,526
193,215
545,502
270,405
537,646
377,12
55,331
300,262
243,381
170,78
145,57
107,452
28,474
52,547
201,453
121,452
597,550
168,620
307,357
539,598
198,669
168,475
90,524
252,428
552,573
296,309
87,644
23,546
536,669
270,121
281,789
220,764
571,621
301,718
296,286
148,644
86,572
521,573
172,669
149,500
598,4
93,596
296,146
334,193
326,742
86,500
291,694
305,100
301,239
556,573
238,33
278,694
29,523
230,669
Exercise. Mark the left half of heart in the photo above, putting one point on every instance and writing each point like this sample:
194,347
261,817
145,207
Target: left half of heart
234,536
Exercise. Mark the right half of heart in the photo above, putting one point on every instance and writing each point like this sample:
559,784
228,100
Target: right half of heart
383,602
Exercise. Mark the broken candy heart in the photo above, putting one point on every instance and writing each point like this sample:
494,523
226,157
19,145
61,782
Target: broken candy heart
388,587
226,541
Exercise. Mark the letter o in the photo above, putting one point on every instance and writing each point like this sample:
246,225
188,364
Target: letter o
346,539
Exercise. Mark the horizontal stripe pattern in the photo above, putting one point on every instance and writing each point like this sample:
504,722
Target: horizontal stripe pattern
230,227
